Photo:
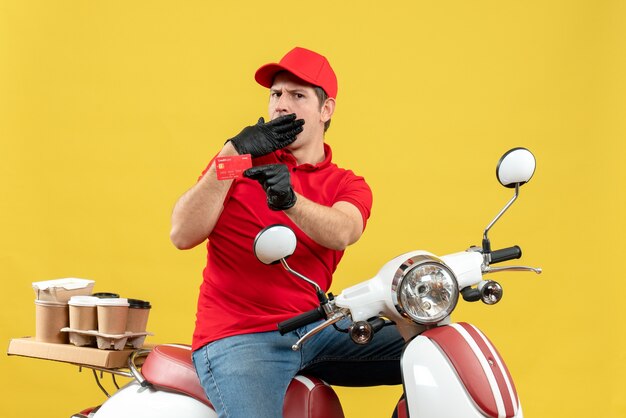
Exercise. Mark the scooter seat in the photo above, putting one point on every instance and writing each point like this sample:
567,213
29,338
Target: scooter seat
170,367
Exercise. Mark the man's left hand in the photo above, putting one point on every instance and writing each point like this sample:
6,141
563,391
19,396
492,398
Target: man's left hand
276,182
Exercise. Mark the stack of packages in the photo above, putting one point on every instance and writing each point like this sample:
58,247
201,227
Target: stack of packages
67,311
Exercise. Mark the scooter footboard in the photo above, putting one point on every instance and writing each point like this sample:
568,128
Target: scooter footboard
454,370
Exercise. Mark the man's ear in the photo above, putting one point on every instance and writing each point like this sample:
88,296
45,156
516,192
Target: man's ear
327,110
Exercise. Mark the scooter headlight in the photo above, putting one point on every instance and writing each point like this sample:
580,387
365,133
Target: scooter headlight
425,290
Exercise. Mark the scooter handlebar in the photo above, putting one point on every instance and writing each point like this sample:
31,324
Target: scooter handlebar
510,253
301,320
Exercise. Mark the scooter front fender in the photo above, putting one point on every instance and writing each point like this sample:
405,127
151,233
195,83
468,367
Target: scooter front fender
455,371
135,401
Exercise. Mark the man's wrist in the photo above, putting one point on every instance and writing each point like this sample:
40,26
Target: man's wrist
228,149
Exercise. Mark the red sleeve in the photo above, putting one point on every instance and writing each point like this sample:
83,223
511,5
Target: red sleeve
355,190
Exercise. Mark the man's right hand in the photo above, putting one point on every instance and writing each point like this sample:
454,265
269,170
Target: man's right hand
264,138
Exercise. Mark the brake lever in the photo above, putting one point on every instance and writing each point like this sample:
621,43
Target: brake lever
336,317
490,269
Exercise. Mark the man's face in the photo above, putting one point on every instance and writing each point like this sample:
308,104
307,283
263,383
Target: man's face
289,95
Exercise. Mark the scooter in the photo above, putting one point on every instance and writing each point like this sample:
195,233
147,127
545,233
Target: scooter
448,369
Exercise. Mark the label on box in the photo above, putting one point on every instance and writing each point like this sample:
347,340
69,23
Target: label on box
232,166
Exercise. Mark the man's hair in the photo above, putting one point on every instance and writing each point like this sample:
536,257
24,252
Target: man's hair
322,96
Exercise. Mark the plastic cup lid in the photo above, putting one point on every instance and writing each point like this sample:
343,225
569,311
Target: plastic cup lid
112,302
139,304
103,295
83,301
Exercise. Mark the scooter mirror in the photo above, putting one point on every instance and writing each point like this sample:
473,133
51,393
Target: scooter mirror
516,166
274,243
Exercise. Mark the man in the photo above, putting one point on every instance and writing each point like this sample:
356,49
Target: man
244,364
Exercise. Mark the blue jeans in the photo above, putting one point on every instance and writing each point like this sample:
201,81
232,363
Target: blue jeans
247,375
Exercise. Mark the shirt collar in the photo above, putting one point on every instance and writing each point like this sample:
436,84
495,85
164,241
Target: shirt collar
287,157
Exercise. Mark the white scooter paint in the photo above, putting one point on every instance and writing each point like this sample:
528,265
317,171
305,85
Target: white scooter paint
449,369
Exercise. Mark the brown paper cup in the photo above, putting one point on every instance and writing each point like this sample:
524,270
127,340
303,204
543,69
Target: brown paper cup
112,316
50,317
83,313
138,313
137,320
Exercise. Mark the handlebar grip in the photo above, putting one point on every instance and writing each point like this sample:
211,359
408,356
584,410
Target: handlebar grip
510,253
301,320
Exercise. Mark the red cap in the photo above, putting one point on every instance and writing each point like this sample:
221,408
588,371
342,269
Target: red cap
304,64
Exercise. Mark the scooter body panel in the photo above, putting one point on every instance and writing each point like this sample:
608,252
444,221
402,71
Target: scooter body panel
460,381
135,401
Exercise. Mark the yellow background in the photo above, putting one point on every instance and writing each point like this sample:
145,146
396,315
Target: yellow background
110,109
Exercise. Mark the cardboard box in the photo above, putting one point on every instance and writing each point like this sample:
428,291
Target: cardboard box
61,290
69,353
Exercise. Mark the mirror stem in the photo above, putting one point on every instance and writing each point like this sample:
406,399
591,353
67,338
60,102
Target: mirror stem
321,296
486,243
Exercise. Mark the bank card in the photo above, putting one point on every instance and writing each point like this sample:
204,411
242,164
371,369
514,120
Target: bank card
232,166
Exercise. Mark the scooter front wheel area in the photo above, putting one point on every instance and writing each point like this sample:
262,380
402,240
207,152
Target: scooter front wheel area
455,371
135,401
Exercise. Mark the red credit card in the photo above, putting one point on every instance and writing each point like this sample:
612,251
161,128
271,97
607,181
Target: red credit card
231,167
